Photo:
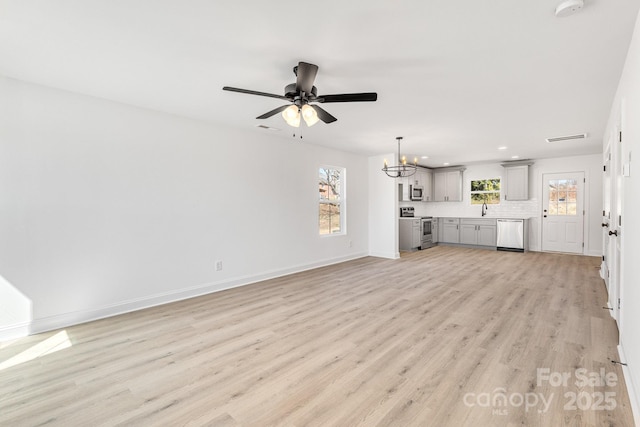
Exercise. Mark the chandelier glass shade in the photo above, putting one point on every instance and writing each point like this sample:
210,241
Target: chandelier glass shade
293,113
402,169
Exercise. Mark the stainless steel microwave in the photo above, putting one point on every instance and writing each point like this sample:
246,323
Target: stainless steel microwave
416,192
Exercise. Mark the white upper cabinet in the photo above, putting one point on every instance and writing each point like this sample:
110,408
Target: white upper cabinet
516,186
403,189
447,186
425,178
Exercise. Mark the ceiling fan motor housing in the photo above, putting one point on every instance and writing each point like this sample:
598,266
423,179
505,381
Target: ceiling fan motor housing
291,91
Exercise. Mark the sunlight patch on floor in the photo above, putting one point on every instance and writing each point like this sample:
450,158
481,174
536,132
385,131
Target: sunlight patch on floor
57,342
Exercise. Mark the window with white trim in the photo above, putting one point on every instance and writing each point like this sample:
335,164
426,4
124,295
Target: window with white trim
485,191
331,202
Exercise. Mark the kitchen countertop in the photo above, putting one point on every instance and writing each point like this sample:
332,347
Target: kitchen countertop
486,217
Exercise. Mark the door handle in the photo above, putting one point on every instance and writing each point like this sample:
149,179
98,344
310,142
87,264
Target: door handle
605,225
544,216
613,233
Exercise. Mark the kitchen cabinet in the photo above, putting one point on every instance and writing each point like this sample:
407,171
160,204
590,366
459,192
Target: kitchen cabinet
516,185
481,232
449,230
435,227
403,189
410,235
447,186
422,178
425,179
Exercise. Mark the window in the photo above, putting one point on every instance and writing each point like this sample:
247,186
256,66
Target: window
485,191
563,197
331,201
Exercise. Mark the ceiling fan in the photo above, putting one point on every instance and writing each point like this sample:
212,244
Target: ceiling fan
302,94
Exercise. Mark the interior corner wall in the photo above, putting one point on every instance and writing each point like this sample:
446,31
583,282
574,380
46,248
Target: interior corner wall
107,208
383,210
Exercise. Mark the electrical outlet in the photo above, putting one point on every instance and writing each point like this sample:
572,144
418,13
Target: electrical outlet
218,265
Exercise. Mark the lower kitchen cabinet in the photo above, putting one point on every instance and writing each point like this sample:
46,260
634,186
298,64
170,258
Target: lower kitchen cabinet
481,232
410,235
487,235
450,230
469,234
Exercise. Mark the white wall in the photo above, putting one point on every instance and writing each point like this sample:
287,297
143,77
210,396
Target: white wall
628,94
592,167
383,210
106,208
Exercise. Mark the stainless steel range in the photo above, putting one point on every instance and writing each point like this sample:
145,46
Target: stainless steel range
415,232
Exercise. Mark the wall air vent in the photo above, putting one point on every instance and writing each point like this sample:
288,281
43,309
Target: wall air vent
567,137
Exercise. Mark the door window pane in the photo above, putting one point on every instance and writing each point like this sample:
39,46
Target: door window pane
562,208
563,197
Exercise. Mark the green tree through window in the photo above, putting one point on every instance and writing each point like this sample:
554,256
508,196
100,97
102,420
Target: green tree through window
330,207
485,191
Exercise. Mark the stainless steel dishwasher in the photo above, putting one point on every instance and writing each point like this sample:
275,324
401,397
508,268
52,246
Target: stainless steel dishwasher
511,235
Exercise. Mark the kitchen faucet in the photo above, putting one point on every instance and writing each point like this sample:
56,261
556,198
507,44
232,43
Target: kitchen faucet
484,208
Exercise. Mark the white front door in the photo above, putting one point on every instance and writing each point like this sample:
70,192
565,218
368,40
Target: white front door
562,212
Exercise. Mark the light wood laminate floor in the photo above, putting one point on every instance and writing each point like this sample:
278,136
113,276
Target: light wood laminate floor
436,338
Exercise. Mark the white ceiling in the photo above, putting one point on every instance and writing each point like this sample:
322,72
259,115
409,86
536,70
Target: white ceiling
457,79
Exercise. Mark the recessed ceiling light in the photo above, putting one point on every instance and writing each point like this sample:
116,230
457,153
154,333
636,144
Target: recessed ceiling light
515,157
502,148
424,157
446,164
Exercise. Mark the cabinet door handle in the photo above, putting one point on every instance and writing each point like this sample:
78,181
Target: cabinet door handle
613,233
605,224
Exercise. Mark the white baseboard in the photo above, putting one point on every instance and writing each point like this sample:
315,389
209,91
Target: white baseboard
389,255
632,389
82,316
17,330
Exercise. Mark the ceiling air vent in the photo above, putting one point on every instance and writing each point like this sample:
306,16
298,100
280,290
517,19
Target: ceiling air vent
266,127
567,137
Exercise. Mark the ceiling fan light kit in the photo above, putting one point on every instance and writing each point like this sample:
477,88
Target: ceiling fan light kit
292,115
301,94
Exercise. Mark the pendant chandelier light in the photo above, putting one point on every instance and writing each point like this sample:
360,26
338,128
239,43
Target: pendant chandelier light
402,169
292,115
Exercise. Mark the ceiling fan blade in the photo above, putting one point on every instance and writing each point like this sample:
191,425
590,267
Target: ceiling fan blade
323,115
253,92
349,97
274,112
306,75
